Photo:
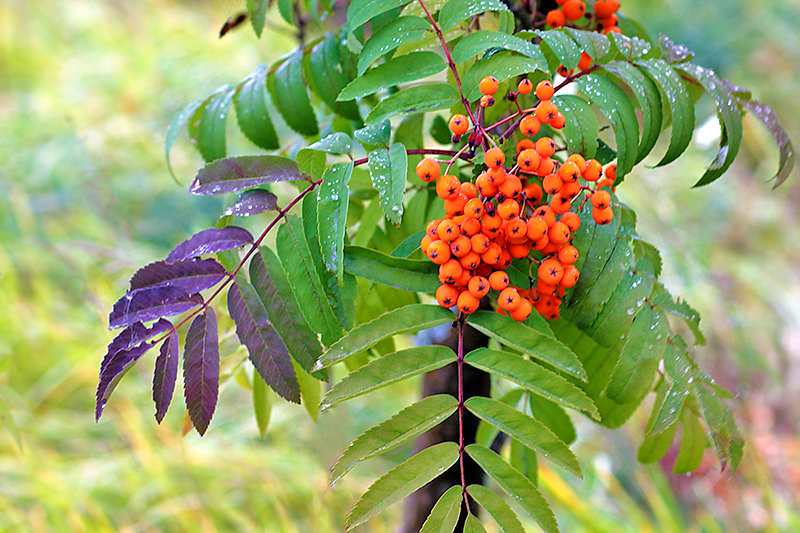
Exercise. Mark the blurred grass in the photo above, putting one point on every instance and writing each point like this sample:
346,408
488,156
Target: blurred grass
86,93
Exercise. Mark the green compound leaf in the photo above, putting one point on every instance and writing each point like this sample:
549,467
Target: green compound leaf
539,345
252,114
289,94
234,174
670,410
174,129
525,429
497,507
693,444
332,216
388,369
401,273
374,135
502,66
617,108
262,403
402,30
516,485
680,308
563,48
362,11
676,100
730,120
581,128
397,70
473,525
207,127
785,149
305,281
257,10
456,11
405,319
648,99
326,77
554,417
476,43
427,97
407,424
402,480
533,377
444,515
595,44
387,170
336,143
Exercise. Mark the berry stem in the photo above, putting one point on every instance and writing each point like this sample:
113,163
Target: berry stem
460,325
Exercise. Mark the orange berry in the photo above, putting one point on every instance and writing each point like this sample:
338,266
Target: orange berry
555,18
601,199
567,254
585,61
611,172
479,243
470,261
488,85
428,170
432,227
530,125
592,170
469,190
509,299
448,187
574,9
537,228
438,252
571,190
474,208
508,209
546,166
505,260
498,280
545,111
551,184
533,192
558,121
572,220
541,244
467,303
579,161
462,282
525,86
558,233
528,160
492,255
612,29
525,144
490,225
486,186
546,289
511,187
494,157
487,100
448,230
459,124
571,275
609,21
455,206
470,227
460,246
545,146
517,229
550,271
518,251
605,182
603,9
544,90
450,271
603,216
478,286
560,203
569,172
521,313
447,296
497,175
425,242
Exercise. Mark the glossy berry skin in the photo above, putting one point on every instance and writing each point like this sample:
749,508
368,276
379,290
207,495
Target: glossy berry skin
494,157
525,86
544,90
459,124
488,85
603,216
448,187
567,254
446,296
498,280
574,9
509,299
530,125
556,18
550,271
601,199
428,170
478,286
467,303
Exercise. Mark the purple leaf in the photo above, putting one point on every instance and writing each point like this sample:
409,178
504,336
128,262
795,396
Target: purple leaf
114,369
165,375
133,335
148,304
239,173
252,203
194,275
209,241
267,351
201,369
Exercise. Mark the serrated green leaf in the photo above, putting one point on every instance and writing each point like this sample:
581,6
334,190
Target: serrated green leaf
257,10
502,66
310,391
595,44
617,108
444,515
406,319
402,480
523,459
400,69
325,76
387,169
251,110
785,149
516,485
305,281
693,444
675,98
401,273
286,11
539,345
426,97
565,50
398,32
476,43
209,129
456,11
497,507
407,424
581,127
629,47
670,410
335,143
532,376
473,525
525,429
730,120
680,308
646,93
728,443
554,417
409,131
262,404
374,135
274,289
656,445
440,132
289,94
409,245
361,11
174,129
388,369
332,215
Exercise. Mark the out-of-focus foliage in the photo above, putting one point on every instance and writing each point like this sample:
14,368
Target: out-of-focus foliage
86,92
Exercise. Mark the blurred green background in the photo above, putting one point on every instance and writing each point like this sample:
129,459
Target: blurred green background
86,92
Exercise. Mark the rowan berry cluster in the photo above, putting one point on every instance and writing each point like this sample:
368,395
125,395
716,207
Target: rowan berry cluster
522,212
604,18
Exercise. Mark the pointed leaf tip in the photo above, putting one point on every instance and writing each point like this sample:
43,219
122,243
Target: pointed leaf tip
209,241
201,369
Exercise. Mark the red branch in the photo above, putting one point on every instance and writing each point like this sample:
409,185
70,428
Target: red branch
421,151
460,362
